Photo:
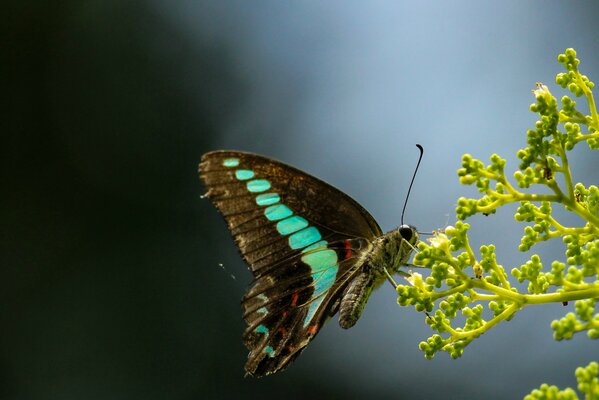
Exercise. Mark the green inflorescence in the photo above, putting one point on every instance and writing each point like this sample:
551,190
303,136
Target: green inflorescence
588,384
468,292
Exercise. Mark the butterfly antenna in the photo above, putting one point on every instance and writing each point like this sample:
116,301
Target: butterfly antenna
412,182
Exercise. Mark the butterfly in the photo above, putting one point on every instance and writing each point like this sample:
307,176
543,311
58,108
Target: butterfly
313,252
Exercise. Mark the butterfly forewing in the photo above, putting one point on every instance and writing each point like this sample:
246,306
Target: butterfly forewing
301,239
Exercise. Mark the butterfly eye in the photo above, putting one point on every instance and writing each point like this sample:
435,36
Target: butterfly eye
406,232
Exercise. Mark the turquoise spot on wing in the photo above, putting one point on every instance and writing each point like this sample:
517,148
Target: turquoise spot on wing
322,282
312,310
324,268
320,260
267,199
291,224
258,185
269,350
318,245
277,212
231,162
304,238
244,174
262,310
261,329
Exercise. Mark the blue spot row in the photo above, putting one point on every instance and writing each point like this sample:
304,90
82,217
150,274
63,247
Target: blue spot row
322,261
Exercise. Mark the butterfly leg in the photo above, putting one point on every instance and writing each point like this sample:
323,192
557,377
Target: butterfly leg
390,278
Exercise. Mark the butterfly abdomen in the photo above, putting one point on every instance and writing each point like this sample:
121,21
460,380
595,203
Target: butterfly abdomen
354,299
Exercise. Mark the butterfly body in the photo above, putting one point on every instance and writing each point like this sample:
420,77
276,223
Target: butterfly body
388,252
312,249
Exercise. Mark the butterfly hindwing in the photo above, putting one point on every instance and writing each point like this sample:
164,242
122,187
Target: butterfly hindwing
289,308
301,239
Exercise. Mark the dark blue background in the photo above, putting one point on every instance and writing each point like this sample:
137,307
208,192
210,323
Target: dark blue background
111,287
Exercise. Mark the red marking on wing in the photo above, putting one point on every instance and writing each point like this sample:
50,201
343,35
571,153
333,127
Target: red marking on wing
284,314
294,298
347,247
283,331
312,329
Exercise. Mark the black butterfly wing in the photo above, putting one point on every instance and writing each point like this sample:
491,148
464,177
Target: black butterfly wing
302,239
284,311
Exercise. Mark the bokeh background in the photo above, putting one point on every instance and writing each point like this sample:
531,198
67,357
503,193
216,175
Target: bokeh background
111,285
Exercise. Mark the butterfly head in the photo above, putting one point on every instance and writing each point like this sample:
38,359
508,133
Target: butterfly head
405,237
408,233
393,249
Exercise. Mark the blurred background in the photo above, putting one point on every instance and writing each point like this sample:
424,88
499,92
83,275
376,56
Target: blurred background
111,285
